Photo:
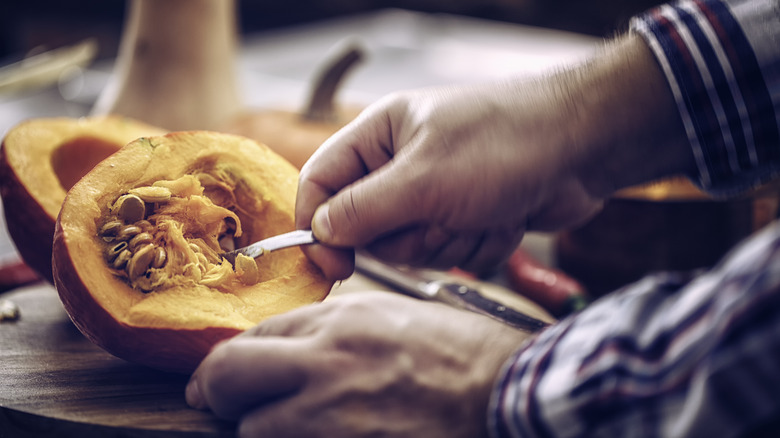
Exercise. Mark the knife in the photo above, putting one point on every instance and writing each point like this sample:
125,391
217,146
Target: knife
453,293
408,282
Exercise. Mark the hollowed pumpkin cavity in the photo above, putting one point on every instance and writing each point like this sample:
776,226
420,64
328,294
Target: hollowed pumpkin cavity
77,156
137,247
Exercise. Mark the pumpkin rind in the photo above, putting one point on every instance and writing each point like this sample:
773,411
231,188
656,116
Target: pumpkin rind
287,133
39,159
173,329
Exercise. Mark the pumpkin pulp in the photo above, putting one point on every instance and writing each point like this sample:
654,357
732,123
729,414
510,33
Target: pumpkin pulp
215,180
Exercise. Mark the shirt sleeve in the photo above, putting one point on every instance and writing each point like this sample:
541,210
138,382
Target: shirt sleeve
660,358
722,61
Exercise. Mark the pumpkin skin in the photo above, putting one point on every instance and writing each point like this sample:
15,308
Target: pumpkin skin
288,133
40,160
173,328
296,136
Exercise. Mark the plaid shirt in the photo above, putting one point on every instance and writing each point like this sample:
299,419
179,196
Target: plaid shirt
672,356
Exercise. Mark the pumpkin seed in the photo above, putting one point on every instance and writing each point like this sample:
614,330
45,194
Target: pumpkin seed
141,261
130,208
152,194
9,311
114,251
203,262
128,232
144,225
110,228
140,239
246,269
122,258
160,257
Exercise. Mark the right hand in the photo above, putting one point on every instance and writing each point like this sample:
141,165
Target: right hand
454,176
446,177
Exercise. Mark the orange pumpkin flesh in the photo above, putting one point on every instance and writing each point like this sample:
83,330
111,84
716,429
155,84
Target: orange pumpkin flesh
40,160
173,327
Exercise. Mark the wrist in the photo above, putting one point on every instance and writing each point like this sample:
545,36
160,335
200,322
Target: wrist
630,128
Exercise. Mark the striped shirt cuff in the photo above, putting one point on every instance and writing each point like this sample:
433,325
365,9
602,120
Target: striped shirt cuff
723,73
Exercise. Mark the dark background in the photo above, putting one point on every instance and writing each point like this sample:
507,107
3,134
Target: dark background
27,25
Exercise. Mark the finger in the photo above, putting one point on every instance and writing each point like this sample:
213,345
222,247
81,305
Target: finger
369,189
382,202
494,249
349,154
456,251
335,263
576,211
431,246
403,246
246,372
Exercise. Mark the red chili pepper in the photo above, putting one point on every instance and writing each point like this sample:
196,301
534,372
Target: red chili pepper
548,287
15,274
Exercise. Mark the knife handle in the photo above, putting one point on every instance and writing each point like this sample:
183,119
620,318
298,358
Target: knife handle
466,297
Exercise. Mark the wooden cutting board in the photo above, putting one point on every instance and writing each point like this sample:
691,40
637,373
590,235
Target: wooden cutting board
54,382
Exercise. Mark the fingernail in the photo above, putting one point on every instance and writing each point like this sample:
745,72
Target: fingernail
192,395
320,224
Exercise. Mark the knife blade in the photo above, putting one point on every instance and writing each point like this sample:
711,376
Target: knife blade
453,293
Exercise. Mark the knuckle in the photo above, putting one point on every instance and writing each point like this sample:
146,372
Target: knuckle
344,213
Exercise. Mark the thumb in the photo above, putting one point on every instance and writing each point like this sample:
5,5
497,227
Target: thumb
373,206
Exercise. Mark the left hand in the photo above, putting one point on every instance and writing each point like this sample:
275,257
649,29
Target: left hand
375,364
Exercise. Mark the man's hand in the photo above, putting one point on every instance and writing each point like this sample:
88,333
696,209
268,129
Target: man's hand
443,177
368,364
454,176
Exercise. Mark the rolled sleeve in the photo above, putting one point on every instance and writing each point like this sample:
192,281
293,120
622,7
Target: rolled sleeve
661,358
722,62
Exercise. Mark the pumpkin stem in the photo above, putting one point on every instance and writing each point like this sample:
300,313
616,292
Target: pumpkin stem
321,106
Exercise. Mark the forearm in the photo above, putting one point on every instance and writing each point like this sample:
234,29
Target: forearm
616,119
626,120
676,362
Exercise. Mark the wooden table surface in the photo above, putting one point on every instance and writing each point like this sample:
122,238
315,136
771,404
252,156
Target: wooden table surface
54,382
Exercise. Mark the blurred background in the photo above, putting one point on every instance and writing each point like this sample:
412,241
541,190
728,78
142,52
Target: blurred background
40,24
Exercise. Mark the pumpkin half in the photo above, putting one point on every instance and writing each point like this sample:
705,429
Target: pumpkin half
137,246
40,160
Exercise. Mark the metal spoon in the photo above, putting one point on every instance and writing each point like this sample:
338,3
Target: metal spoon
286,240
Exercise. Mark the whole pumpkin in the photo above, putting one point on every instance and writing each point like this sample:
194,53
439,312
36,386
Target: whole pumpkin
137,244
